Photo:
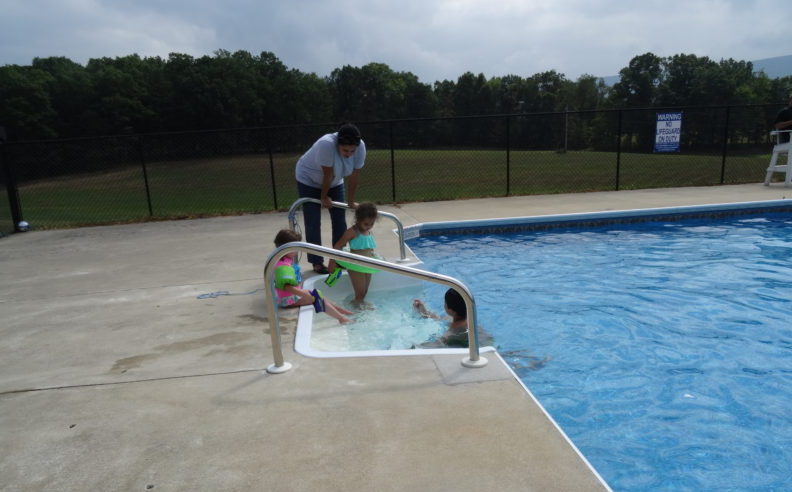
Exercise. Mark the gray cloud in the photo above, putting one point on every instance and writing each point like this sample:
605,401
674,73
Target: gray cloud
434,39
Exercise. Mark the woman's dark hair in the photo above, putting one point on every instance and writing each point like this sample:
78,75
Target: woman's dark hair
348,134
286,236
365,210
455,303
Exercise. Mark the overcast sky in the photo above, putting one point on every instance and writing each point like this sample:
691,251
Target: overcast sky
434,39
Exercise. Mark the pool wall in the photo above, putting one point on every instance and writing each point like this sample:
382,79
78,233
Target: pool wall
593,219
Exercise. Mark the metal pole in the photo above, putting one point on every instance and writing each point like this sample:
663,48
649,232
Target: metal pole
12,189
279,366
393,163
145,175
508,155
272,169
618,150
725,144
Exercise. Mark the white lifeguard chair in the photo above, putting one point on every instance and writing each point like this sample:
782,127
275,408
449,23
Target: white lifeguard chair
778,149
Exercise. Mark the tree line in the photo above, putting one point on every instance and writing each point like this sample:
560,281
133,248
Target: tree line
55,97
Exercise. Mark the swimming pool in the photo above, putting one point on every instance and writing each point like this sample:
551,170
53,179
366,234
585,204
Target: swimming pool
662,348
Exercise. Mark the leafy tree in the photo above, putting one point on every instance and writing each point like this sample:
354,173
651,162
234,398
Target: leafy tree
638,82
234,87
781,89
419,100
472,95
550,85
55,97
444,94
25,105
309,97
70,95
119,94
740,84
587,92
181,104
375,92
506,93
289,96
688,79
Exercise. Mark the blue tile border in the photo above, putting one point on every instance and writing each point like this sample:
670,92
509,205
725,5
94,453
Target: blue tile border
595,219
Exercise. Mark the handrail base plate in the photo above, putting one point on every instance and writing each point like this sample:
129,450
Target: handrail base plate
273,369
481,362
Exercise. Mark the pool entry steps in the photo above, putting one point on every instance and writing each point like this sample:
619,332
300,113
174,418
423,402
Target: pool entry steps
474,360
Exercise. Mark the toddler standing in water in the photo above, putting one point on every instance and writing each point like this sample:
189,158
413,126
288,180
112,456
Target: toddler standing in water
361,242
288,281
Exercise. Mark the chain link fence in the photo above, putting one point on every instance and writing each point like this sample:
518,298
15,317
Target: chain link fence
128,178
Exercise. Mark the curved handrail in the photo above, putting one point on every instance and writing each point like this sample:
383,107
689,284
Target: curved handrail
299,203
474,360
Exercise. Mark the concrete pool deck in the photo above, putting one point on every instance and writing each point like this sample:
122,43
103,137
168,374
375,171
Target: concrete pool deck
120,371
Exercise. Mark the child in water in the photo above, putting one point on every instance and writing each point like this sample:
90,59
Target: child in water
456,335
361,242
288,281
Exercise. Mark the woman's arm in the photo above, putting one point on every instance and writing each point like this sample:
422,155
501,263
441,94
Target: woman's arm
783,125
327,178
352,184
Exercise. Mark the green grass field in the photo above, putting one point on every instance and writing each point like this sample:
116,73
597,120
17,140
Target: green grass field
243,184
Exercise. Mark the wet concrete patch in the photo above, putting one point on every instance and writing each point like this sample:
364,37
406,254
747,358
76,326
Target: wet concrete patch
220,343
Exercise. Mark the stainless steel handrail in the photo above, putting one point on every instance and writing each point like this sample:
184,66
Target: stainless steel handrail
299,203
474,360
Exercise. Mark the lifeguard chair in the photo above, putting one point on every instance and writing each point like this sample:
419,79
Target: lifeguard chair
778,149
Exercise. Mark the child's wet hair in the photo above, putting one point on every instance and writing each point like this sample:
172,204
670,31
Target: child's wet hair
286,236
455,303
365,210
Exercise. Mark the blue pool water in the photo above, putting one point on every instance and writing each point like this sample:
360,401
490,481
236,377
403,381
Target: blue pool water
664,350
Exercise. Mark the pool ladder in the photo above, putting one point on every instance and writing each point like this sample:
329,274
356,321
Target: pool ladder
295,226
473,360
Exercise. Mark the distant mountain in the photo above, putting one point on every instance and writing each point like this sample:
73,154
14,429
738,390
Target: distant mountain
779,66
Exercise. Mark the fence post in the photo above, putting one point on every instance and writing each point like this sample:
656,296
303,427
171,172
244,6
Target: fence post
145,175
618,149
725,144
272,168
508,155
393,162
11,185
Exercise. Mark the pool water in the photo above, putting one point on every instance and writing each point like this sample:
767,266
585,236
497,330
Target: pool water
391,324
664,350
